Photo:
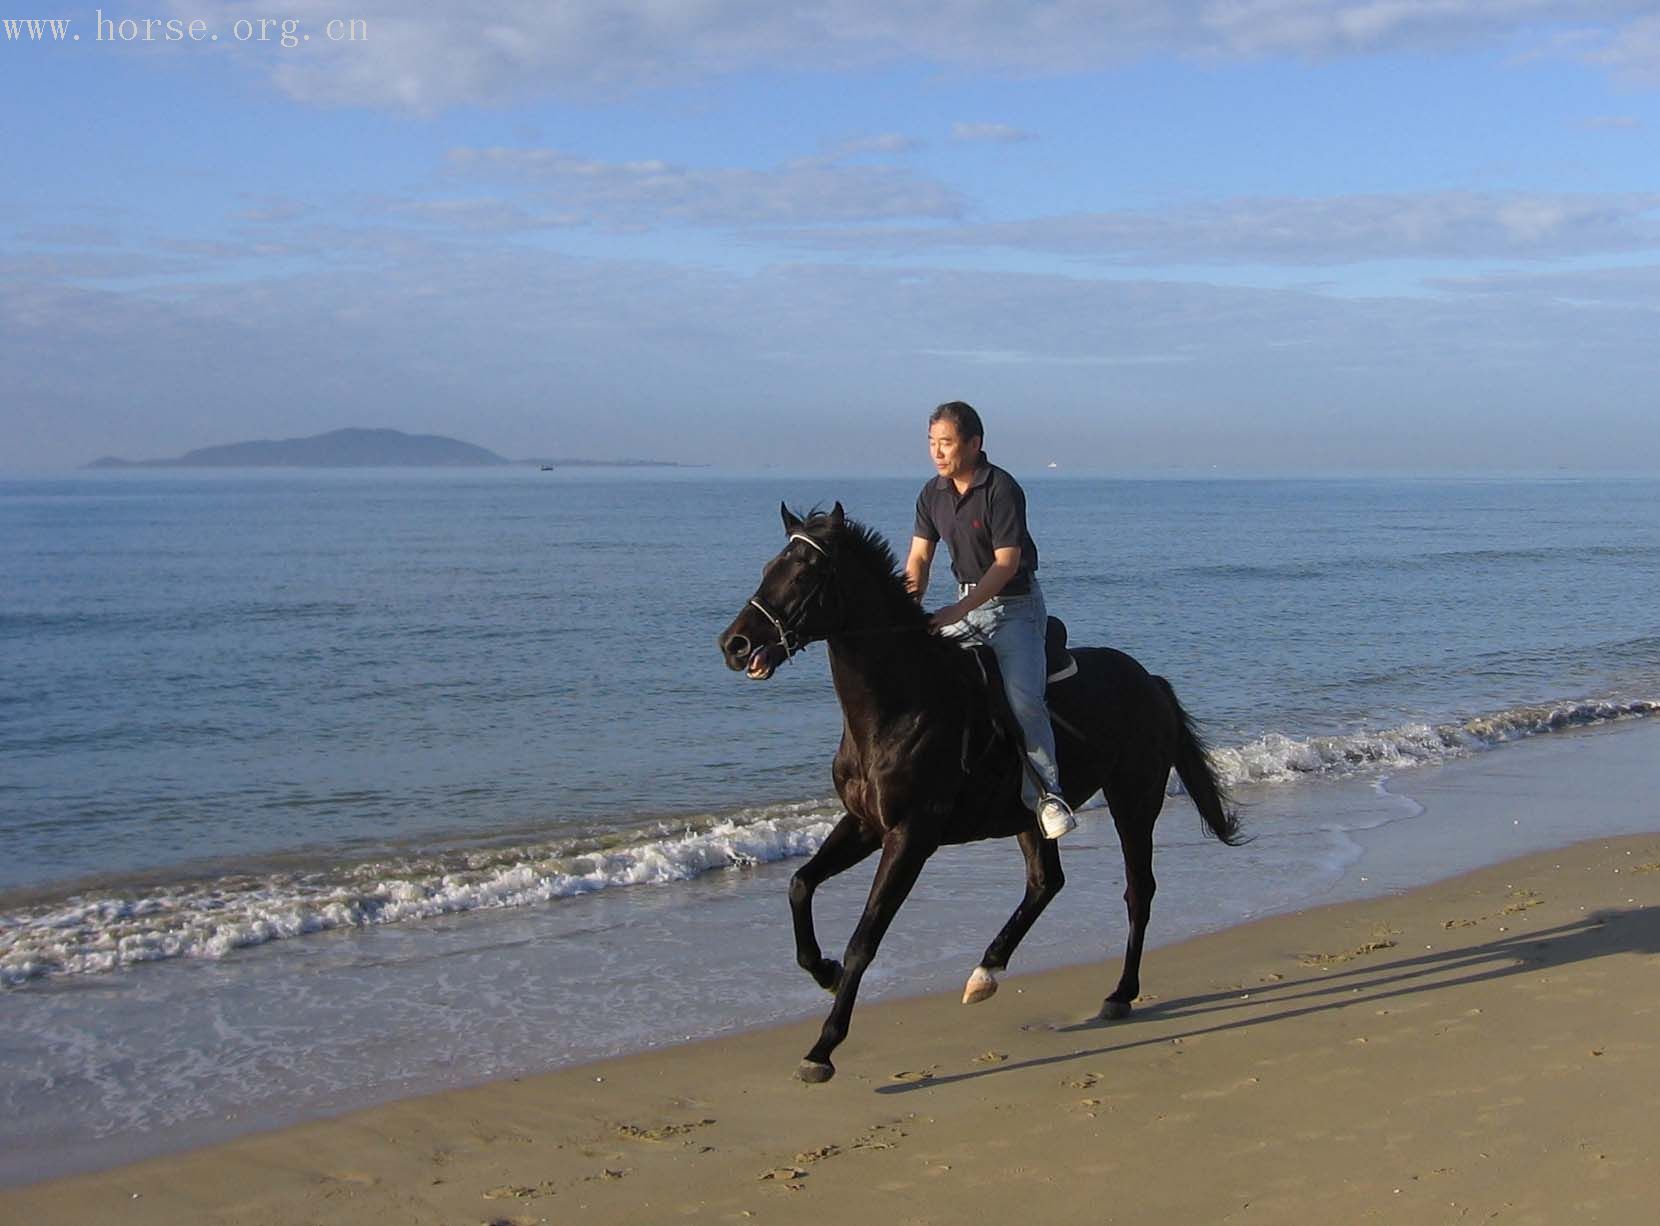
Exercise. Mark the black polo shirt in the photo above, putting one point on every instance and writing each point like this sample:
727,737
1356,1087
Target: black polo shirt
991,516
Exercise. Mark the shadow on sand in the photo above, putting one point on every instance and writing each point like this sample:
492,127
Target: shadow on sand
1599,935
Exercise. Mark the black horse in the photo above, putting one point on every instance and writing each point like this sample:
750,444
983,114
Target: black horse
924,761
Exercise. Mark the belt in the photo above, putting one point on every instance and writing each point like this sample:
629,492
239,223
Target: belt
964,589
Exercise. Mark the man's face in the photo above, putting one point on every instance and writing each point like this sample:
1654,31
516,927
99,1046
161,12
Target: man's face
953,455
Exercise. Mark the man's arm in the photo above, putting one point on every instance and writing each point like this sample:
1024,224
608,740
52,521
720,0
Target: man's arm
917,565
1005,565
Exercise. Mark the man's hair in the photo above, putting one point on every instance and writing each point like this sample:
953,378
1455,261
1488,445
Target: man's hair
962,415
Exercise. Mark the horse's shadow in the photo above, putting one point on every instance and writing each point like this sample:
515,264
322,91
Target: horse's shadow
1598,935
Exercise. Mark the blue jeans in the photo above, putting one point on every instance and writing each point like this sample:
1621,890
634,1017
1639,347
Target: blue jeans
1014,627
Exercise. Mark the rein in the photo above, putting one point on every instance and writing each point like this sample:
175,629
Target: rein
793,639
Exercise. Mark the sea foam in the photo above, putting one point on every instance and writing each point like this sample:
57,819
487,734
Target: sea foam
110,929
1276,758
210,918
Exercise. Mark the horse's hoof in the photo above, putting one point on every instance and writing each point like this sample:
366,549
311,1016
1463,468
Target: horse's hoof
1114,1010
982,985
814,1073
833,973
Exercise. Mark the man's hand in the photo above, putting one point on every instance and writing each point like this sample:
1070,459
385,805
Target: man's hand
995,579
948,616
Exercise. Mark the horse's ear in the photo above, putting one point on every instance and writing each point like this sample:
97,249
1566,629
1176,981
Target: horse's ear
792,523
838,517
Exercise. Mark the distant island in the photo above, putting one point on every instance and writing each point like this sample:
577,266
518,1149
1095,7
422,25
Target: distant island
359,448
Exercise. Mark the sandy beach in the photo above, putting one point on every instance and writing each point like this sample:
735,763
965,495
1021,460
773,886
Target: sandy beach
1483,1048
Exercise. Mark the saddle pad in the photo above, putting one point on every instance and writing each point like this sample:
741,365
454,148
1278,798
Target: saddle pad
1057,659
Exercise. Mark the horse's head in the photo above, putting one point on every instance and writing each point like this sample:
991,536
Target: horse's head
796,602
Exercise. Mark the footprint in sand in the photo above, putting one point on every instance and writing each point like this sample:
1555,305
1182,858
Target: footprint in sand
877,1137
518,1192
991,1057
1198,1095
1381,940
352,1177
926,1074
662,1132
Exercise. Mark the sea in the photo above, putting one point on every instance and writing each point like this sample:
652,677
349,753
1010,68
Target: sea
322,788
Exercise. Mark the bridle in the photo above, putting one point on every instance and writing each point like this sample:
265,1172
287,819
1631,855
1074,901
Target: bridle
792,637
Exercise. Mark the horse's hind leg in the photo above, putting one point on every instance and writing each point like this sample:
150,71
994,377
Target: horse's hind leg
903,855
1044,880
845,845
1134,814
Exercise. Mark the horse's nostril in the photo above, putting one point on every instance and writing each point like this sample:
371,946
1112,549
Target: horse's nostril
737,646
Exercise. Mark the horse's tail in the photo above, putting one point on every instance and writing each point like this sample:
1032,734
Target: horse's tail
1194,768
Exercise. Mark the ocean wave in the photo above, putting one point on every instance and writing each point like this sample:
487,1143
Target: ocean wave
1275,758
107,929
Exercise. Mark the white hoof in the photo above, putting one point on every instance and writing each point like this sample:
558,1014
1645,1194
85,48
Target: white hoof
982,985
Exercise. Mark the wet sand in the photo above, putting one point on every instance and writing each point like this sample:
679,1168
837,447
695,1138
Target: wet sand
1484,1048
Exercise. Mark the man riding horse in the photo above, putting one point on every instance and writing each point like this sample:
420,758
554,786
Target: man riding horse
980,512
922,763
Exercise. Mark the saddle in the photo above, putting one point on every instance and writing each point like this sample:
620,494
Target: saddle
1057,659
1058,663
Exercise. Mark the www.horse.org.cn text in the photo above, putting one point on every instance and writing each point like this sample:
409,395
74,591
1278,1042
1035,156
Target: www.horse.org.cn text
283,31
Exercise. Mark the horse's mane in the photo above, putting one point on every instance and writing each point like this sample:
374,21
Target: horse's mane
870,550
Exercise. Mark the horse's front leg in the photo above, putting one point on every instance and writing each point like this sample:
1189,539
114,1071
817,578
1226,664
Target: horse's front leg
903,855
847,844
1044,880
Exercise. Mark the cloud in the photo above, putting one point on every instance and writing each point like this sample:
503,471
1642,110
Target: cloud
521,347
1635,286
1633,52
1331,28
484,215
91,265
1613,123
883,143
993,133
272,209
1022,357
1318,231
69,234
426,55
577,190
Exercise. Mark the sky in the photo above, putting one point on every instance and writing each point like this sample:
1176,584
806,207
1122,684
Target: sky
1243,236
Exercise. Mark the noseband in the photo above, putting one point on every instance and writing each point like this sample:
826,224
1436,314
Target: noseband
791,637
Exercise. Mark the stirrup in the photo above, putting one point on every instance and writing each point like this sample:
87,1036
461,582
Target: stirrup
1055,817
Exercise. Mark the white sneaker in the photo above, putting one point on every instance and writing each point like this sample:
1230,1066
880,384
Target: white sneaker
1054,818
